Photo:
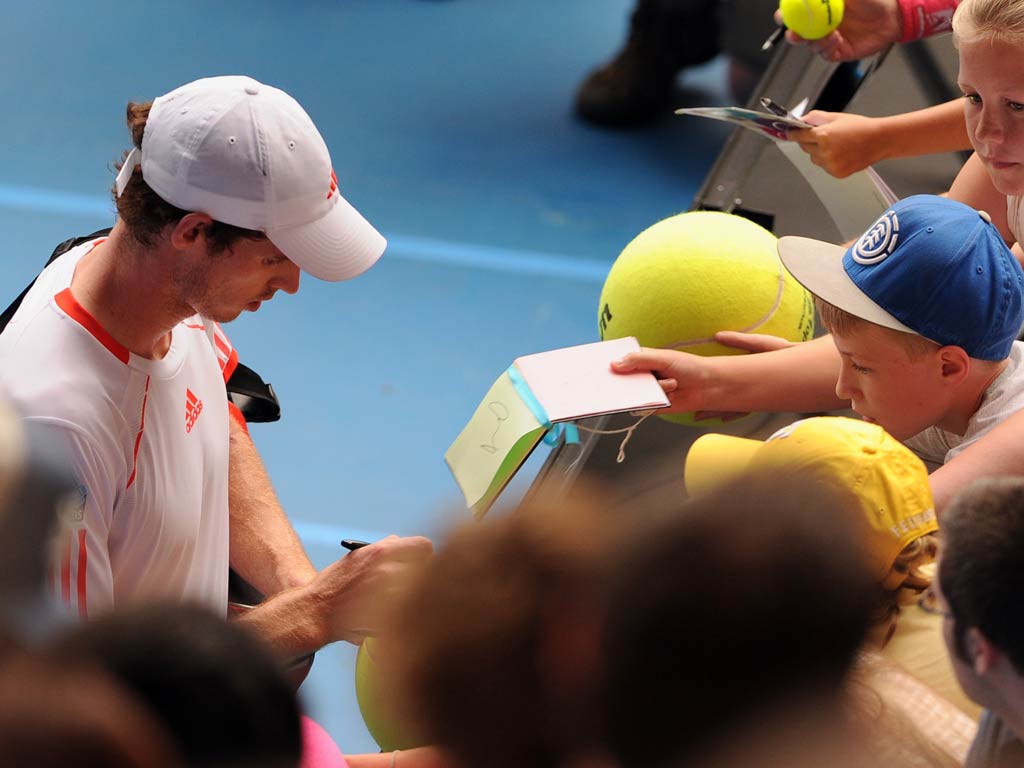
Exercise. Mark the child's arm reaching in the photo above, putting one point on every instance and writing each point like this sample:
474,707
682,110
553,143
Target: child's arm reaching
999,453
843,143
869,26
800,378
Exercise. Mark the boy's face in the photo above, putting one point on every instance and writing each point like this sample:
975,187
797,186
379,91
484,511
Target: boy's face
887,386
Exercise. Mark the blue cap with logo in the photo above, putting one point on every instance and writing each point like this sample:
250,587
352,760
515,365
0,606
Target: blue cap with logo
929,266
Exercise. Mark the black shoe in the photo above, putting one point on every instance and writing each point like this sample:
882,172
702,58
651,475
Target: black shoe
637,85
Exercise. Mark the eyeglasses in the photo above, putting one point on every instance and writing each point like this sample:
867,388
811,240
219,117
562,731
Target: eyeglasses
929,603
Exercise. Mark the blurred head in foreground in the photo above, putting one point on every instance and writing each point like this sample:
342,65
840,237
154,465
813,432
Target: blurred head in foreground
55,715
495,648
222,696
736,618
981,573
558,632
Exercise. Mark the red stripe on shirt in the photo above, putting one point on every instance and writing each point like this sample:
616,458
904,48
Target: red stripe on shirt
83,609
222,344
230,365
138,437
227,356
92,247
65,573
67,302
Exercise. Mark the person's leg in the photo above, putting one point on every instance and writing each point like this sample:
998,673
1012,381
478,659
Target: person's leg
743,26
636,85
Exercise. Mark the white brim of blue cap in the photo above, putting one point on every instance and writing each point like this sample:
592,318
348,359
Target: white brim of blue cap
818,267
338,246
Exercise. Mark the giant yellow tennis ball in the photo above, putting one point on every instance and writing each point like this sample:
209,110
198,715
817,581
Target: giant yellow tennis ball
376,702
685,278
811,19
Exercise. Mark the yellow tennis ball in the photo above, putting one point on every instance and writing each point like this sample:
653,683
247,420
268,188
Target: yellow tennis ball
373,693
689,276
811,19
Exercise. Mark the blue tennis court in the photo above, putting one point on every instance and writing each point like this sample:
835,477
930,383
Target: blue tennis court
450,128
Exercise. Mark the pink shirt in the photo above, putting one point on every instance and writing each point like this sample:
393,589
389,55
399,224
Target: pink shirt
318,748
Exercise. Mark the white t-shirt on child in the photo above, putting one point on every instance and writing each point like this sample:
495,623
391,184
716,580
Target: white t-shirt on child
1004,396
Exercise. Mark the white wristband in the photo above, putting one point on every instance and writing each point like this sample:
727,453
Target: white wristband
394,757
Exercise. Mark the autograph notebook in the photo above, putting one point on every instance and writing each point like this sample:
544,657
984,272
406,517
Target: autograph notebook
537,398
853,203
774,126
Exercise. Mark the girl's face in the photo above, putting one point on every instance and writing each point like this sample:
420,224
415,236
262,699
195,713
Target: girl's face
993,88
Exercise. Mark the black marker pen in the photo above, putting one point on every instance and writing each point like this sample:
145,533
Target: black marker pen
774,108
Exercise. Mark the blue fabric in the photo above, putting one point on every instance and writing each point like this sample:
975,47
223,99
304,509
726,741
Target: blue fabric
942,269
556,431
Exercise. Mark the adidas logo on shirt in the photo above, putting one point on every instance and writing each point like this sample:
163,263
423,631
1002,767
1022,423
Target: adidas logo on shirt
193,407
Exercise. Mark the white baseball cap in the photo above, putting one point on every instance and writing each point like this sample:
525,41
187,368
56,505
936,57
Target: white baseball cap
248,155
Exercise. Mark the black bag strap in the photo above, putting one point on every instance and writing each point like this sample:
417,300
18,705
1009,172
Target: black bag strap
255,398
60,250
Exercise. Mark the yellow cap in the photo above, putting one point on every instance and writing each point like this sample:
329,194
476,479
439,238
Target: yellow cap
851,464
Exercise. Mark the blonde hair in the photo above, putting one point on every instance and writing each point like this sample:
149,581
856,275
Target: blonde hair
909,582
988,20
841,322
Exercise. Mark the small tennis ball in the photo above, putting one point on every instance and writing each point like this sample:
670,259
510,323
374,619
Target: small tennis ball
811,19
689,276
373,696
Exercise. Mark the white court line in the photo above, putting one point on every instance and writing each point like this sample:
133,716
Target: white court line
496,259
54,201
405,247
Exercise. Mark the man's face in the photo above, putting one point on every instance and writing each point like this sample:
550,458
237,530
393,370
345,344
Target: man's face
225,284
994,109
885,385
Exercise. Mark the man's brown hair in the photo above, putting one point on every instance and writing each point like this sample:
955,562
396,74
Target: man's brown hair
841,322
147,215
981,570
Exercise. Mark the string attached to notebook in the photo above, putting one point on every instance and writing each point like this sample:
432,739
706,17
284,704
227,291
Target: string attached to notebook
628,430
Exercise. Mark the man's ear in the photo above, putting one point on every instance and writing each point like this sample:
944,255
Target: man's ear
983,655
191,228
955,364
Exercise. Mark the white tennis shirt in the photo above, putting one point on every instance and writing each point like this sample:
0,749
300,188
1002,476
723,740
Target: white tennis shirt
148,441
